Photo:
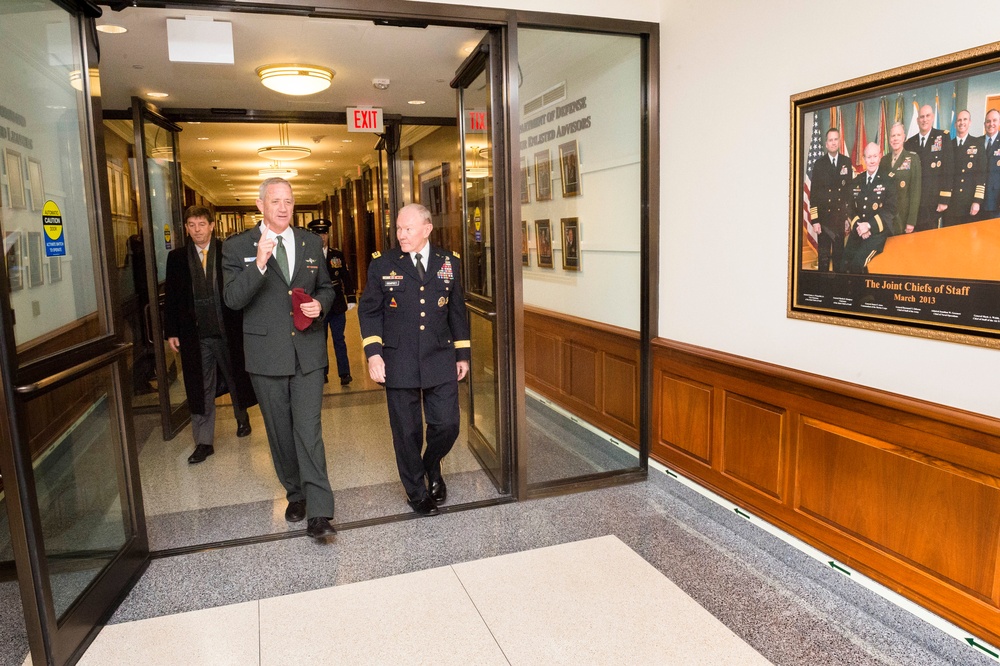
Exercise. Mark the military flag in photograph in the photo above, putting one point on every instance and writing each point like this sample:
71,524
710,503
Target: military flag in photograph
860,139
815,152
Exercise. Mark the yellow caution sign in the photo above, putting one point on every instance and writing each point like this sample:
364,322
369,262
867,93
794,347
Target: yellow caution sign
52,222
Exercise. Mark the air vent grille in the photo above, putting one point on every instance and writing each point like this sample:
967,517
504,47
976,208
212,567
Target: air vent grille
553,95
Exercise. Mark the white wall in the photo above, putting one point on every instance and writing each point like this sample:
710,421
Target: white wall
727,71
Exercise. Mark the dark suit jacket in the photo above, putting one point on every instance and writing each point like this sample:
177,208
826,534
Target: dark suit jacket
992,157
180,321
936,166
969,185
343,281
270,340
904,174
421,329
830,193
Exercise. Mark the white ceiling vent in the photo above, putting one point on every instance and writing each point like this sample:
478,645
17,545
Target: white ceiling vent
553,95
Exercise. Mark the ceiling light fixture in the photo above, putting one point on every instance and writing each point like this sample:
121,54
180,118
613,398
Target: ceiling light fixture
416,102
295,79
278,171
111,29
284,151
158,95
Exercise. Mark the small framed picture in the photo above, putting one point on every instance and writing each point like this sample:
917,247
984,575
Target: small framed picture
570,243
37,186
35,277
15,178
543,176
569,168
525,189
55,269
543,243
13,251
524,241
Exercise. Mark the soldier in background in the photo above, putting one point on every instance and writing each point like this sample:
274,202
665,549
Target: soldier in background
344,299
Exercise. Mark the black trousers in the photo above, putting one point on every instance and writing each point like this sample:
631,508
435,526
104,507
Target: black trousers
440,408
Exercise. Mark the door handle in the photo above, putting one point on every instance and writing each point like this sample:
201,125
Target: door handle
149,323
75,371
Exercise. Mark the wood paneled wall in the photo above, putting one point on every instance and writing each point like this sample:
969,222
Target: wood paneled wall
590,369
905,491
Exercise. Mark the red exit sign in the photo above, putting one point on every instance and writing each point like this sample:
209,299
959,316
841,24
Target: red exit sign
476,120
364,119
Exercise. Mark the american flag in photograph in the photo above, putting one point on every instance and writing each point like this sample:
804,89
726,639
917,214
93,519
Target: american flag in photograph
815,152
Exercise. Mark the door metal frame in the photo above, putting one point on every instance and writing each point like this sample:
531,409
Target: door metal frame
171,420
52,639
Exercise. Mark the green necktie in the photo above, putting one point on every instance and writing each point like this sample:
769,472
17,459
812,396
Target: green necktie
281,256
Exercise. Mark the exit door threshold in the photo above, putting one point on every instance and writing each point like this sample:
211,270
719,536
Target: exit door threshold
340,527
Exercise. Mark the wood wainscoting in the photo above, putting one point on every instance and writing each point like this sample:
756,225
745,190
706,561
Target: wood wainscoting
590,369
905,491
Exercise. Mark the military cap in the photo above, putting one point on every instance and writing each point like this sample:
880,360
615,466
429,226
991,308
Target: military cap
319,226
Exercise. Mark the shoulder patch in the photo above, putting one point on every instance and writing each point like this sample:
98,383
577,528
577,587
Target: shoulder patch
376,255
457,255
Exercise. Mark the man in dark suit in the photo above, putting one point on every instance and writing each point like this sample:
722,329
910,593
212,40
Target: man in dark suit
344,298
991,144
285,345
935,153
415,332
208,335
873,209
830,193
969,185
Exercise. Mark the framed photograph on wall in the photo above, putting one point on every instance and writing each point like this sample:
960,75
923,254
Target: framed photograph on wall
569,168
15,178
543,243
525,260
35,254
543,176
894,225
14,252
55,269
37,186
525,189
571,243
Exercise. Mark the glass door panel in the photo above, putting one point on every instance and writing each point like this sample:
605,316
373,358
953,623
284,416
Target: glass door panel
161,226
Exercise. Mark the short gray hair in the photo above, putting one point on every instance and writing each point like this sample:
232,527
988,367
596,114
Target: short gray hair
419,209
268,183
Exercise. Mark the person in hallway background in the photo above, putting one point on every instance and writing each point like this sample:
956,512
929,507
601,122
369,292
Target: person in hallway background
903,169
208,335
415,332
274,273
345,298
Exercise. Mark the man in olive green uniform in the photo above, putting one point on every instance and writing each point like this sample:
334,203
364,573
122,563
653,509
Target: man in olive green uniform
903,168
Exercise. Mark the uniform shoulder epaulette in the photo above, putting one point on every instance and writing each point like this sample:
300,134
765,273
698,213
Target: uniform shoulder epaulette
457,255
376,255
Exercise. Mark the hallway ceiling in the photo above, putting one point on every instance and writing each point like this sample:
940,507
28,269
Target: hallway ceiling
220,159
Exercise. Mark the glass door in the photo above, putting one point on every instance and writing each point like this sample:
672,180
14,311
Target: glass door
479,83
157,167
74,529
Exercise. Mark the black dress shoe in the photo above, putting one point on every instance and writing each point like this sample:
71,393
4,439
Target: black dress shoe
201,452
243,429
424,506
296,511
345,380
319,528
439,491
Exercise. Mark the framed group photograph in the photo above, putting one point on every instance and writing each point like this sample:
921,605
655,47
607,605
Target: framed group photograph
13,251
571,243
543,243
15,178
543,176
524,243
895,200
569,168
525,189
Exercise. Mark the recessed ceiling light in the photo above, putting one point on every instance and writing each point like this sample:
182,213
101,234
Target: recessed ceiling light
112,29
216,160
347,141
417,101
194,122
157,94
203,138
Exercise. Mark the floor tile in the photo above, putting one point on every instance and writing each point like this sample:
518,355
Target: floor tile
217,636
595,602
417,618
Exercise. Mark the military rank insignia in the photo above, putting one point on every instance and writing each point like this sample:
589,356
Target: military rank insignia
337,263
441,302
392,302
